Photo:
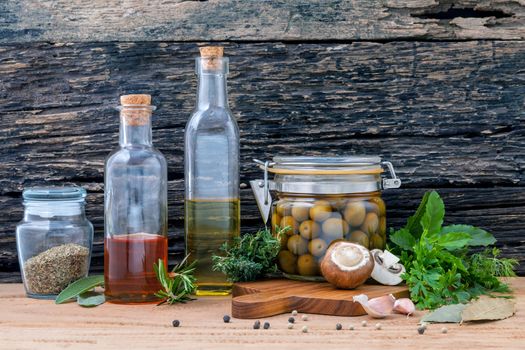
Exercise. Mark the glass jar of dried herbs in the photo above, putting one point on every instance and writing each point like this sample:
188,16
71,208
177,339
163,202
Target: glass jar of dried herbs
54,240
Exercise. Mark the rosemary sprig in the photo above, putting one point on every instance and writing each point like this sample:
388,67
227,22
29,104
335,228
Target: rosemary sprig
179,285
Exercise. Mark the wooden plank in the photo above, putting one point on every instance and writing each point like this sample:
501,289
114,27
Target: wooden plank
40,324
231,20
448,115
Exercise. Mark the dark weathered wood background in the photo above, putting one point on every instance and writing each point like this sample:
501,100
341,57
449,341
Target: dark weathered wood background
437,87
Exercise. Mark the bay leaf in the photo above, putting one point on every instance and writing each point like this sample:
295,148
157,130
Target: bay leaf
487,308
78,287
90,299
445,314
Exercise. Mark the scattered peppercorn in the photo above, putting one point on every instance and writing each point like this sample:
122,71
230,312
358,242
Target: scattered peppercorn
338,326
266,325
444,330
290,325
378,326
304,317
305,329
226,318
351,328
175,323
421,329
257,324
364,323
294,313
291,320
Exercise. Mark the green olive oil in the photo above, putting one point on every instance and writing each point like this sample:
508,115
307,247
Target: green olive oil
209,224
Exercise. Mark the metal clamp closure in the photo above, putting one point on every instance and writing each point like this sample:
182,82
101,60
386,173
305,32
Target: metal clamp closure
394,181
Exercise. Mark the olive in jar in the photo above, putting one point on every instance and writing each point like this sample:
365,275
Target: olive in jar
321,211
309,229
300,212
297,245
307,266
334,228
289,221
355,213
317,247
360,237
287,261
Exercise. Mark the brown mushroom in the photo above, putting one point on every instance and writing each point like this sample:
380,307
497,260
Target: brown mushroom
347,265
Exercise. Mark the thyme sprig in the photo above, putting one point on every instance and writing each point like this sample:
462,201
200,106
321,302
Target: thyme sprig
179,285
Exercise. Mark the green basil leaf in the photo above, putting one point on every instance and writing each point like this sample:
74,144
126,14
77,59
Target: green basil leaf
434,214
91,299
414,222
78,287
404,239
479,236
454,240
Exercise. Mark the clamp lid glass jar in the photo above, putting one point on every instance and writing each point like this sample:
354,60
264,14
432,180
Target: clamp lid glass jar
321,200
54,239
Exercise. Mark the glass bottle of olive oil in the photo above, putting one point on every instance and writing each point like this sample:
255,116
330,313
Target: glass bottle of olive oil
212,205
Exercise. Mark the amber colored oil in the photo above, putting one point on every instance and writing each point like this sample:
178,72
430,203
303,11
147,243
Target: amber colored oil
210,223
129,276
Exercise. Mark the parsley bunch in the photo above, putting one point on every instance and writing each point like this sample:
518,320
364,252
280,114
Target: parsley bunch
249,257
440,267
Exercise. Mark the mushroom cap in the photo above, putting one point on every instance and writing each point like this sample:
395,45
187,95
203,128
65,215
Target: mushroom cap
347,265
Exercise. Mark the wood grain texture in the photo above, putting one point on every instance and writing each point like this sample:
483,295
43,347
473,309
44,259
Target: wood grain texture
448,115
40,324
182,20
279,296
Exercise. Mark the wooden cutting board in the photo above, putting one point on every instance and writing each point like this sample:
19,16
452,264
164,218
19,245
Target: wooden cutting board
278,296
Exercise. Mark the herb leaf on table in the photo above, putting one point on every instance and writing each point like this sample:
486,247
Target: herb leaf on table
440,268
177,286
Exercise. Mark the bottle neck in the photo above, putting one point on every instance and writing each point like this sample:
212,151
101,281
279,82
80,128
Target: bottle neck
135,127
212,91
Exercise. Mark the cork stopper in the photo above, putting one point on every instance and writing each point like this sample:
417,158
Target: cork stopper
211,56
135,99
131,111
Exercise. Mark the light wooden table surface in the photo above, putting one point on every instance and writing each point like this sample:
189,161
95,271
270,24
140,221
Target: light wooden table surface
40,324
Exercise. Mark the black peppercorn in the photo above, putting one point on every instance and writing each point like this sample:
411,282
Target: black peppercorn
291,320
266,325
338,326
175,323
421,329
226,318
257,325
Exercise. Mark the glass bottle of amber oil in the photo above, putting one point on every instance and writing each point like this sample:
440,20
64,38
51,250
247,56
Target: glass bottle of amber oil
212,206
135,207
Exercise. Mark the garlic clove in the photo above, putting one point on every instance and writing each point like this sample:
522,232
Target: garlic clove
377,307
404,306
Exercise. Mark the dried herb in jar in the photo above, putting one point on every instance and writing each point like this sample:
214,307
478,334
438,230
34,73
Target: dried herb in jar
54,269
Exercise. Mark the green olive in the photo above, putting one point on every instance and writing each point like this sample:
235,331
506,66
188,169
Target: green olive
317,247
309,229
335,228
300,213
297,245
355,213
359,237
282,208
276,221
288,221
307,266
320,211
371,223
287,261
380,205
377,242
382,225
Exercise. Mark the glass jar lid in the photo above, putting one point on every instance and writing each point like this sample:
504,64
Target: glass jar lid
54,194
325,165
